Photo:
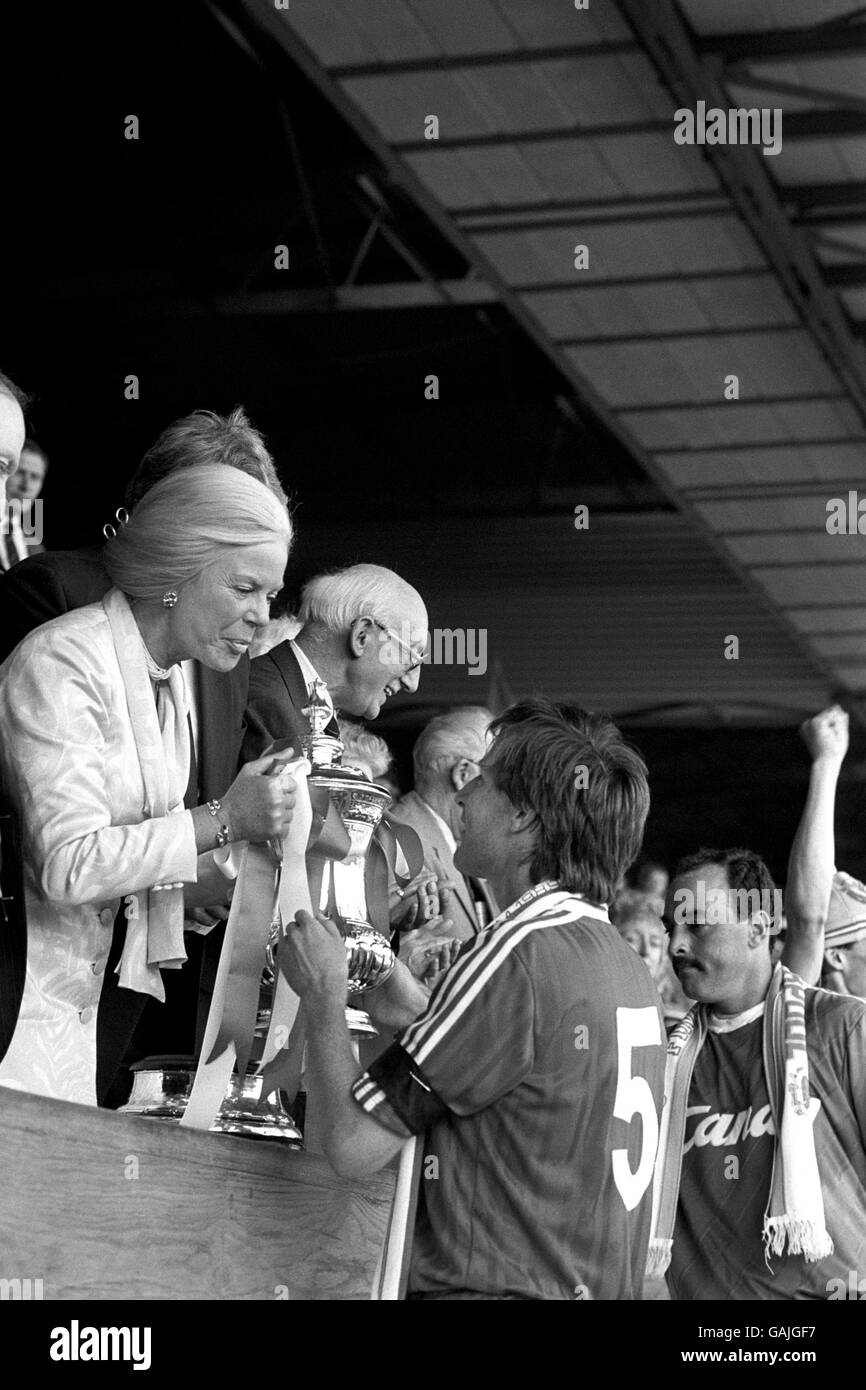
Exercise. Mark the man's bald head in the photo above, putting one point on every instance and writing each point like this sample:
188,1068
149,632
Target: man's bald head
335,600
365,629
448,741
446,757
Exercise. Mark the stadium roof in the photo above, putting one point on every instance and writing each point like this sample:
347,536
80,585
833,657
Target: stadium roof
555,129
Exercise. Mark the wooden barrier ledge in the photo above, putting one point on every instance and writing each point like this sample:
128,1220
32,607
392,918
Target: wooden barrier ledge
102,1205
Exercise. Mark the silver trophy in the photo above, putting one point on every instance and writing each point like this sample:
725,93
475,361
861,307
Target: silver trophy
360,805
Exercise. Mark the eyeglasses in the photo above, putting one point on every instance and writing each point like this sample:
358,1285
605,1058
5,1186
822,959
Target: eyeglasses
415,658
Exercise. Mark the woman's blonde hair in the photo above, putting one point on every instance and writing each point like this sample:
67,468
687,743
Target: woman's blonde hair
186,521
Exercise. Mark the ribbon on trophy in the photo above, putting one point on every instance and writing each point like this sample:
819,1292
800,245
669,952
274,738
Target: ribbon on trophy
381,866
230,1028
392,1269
300,886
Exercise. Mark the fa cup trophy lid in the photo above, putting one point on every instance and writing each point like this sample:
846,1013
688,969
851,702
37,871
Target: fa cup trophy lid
323,750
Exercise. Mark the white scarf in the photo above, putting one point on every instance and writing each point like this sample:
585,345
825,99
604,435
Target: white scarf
154,932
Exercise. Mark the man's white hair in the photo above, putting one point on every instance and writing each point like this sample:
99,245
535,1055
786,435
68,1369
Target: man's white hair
461,733
359,591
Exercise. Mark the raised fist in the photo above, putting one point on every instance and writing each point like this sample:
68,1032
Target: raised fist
826,734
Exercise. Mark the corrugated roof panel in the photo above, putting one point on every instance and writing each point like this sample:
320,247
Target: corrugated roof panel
742,302
749,96
652,165
628,166
664,246
547,24
768,364
783,464
606,90
368,32
576,169
765,514
848,245
739,422
534,96
460,28
574,93
855,302
398,105
851,619
669,306
733,16
513,99
635,373
789,585
792,546
593,310
838,75
493,175
850,645
586,170
820,161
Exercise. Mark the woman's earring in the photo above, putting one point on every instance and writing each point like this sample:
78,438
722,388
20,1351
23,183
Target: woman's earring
169,599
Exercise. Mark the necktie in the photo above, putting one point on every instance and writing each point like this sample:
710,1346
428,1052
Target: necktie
12,545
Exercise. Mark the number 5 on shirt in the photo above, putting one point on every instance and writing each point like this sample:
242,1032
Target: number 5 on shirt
635,1028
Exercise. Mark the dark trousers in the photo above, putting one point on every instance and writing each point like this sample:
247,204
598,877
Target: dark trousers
130,1026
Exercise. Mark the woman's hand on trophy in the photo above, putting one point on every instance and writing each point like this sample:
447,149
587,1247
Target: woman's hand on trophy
312,956
259,803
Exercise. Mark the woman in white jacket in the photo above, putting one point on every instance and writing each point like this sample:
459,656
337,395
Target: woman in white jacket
96,758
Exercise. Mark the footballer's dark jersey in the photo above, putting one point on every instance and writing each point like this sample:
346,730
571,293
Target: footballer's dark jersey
537,1073
728,1156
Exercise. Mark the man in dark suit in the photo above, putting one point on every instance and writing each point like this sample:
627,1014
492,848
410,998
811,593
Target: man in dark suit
446,756
44,586
363,634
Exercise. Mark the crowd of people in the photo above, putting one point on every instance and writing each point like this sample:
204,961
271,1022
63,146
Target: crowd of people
613,1081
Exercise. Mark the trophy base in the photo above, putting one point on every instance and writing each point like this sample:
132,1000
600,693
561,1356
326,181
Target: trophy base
161,1089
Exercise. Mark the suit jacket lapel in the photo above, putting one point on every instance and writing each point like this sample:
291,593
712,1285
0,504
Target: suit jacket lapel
446,861
287,664
289,668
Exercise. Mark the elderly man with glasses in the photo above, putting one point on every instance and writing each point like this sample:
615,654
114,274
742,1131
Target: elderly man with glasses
363,634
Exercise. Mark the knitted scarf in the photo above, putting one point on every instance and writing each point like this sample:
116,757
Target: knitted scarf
794,1217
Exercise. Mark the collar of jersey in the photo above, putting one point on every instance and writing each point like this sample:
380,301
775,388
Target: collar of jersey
729,1023
540,892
